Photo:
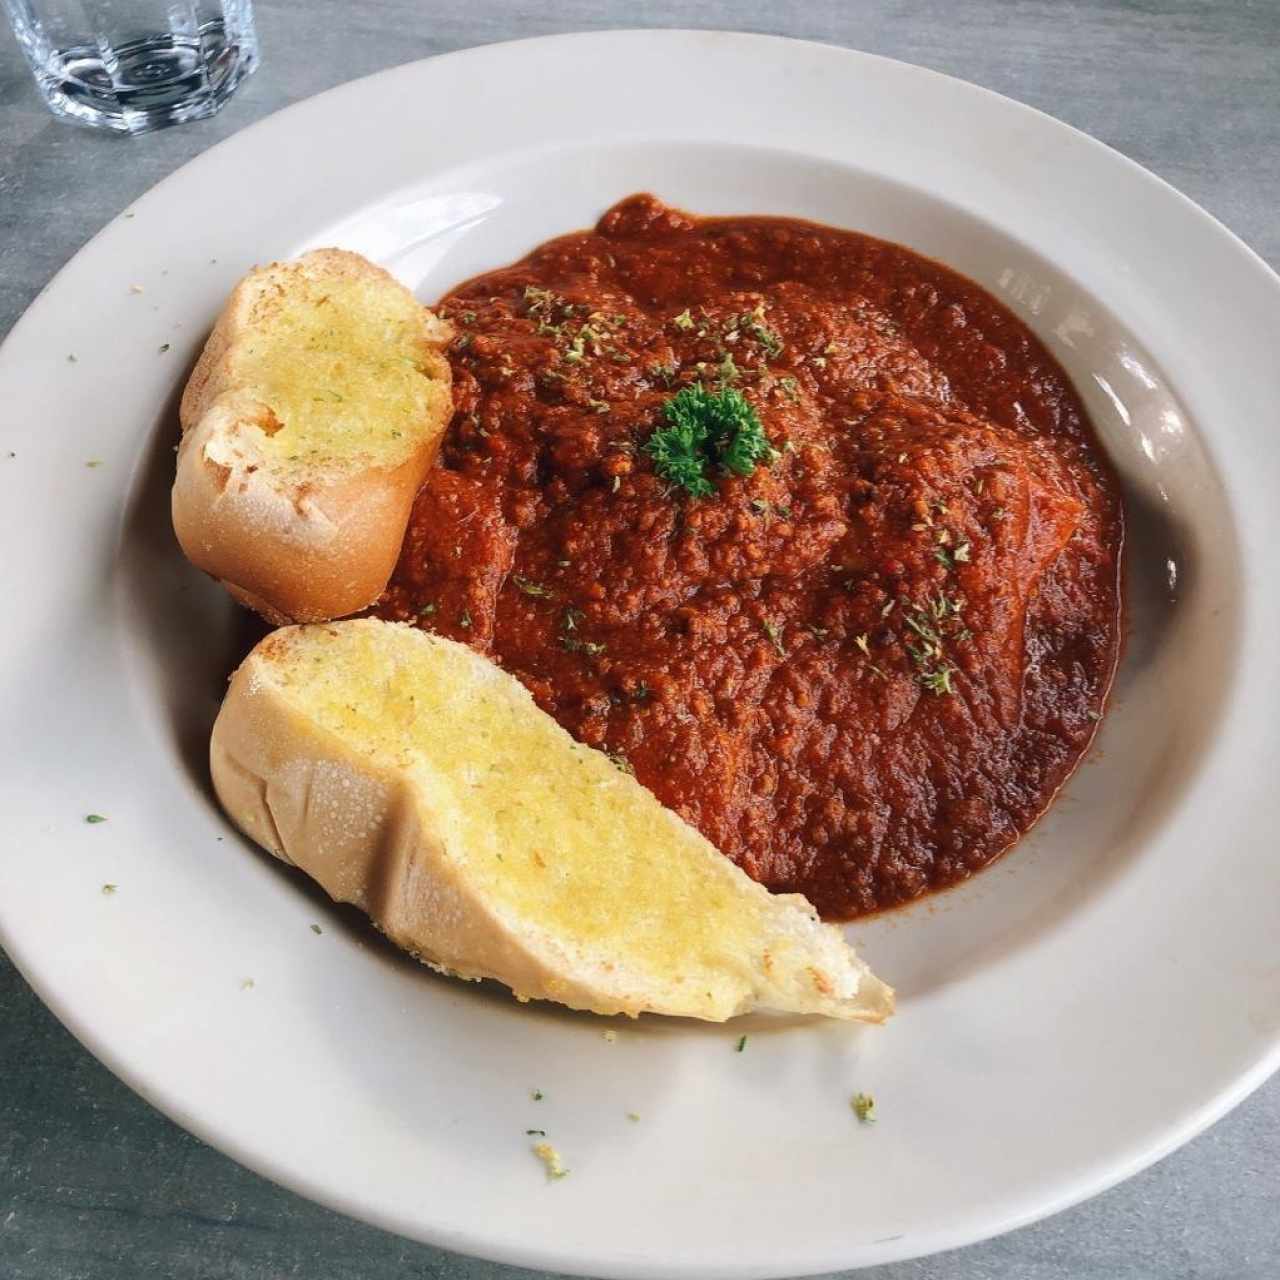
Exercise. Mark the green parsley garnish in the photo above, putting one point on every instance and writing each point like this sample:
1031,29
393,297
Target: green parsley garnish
947,556
529,587
943,607
775,637
541,301
790,388
933,673
937,680
465,619
864,1106
684,320
92,818
315,928
752,322
920,624
535,1133
742,1044
706,428
108,889
571,644
590,335
728,369
536,1094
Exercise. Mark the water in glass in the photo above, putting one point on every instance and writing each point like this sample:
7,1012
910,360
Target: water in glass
134,65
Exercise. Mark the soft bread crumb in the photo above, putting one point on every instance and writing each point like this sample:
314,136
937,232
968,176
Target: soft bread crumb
550,1157
338,366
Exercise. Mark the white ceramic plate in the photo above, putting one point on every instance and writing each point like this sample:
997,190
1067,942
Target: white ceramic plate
1071,1015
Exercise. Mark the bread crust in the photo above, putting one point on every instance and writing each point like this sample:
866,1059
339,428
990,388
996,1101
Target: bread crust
295,546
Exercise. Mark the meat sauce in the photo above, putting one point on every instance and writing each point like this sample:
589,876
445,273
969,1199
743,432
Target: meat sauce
863,670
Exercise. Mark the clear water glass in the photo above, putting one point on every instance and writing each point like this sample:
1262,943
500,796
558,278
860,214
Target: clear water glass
134,65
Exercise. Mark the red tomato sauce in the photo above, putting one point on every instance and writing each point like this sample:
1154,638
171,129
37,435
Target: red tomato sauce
863,670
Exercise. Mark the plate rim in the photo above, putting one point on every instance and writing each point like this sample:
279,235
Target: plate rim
1175,1134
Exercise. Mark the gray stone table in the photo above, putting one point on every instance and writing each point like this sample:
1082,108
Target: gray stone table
94,1185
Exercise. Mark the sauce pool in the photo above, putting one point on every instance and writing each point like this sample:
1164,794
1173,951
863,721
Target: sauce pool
863,670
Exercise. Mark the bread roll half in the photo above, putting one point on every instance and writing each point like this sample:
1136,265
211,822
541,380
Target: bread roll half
411,776
307,426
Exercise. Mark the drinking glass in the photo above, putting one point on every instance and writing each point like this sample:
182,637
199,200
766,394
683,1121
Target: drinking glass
134,65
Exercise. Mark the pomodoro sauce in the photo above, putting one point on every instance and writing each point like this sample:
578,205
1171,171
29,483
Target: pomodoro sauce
863,670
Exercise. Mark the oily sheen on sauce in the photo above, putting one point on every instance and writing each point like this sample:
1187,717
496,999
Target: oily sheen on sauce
863,670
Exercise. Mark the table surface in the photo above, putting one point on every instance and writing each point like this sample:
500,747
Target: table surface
94,1184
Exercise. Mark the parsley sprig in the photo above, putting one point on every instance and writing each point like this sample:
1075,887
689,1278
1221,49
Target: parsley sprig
707,429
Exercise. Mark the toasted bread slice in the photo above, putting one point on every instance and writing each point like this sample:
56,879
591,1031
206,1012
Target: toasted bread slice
413,777
308,424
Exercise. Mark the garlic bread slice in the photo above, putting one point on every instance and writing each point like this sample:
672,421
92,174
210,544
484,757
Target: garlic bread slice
411,776
308,425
